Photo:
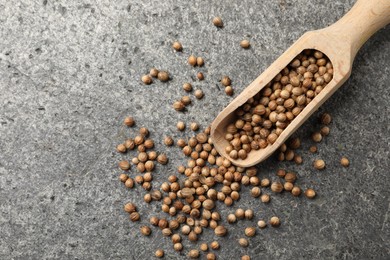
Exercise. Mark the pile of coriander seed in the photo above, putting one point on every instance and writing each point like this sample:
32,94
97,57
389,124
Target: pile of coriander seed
262,119
191,198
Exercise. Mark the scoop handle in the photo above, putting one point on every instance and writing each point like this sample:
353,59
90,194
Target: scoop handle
364,19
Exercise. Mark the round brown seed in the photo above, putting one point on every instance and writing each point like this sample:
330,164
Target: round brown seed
177,46
217,21
245,44
146,79
344,162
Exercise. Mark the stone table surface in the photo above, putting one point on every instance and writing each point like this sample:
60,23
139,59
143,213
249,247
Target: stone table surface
69,74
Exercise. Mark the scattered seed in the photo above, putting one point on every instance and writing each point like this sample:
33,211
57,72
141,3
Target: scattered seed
261,224
326,119
153,72
229,91
313,149
187,87
163,76
198,94
250,231
199,61
274,221
317,137
214,245
192,60
226,81
181,126
146,79
124,165
129,121
217,21
193,253
319,164
168,141
145,230
177,46
245,44
159,253
344,162
178,106
310,193
243,242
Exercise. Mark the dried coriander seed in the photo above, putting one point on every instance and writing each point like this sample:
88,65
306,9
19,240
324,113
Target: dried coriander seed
277,187
310,193
319,164
220,231
313,149
200,76
121,148
296,191
325,131
124,165
245,44
243,242
250,231
274,221
123,177
178,247
317,137
177,46
229,91
192,60
198,94
153,72
204,247
130,208
199,61
187,87
134,216
226,81
168,141
186,100
231,218
193,253
326,119
181,126
261,224
129,121
146,79
265,198
162,159
145,230
344,161
159,253
255,192
163,76
217,21
149,144
178,106
194,126
214,245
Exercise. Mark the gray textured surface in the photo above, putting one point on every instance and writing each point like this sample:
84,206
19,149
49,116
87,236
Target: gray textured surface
69,73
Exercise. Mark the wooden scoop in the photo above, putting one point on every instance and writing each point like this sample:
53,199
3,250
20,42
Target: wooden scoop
339,42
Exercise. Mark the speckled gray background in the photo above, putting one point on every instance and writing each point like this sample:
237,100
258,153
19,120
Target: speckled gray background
69,73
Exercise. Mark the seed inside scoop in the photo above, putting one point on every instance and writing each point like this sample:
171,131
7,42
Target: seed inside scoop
262,119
